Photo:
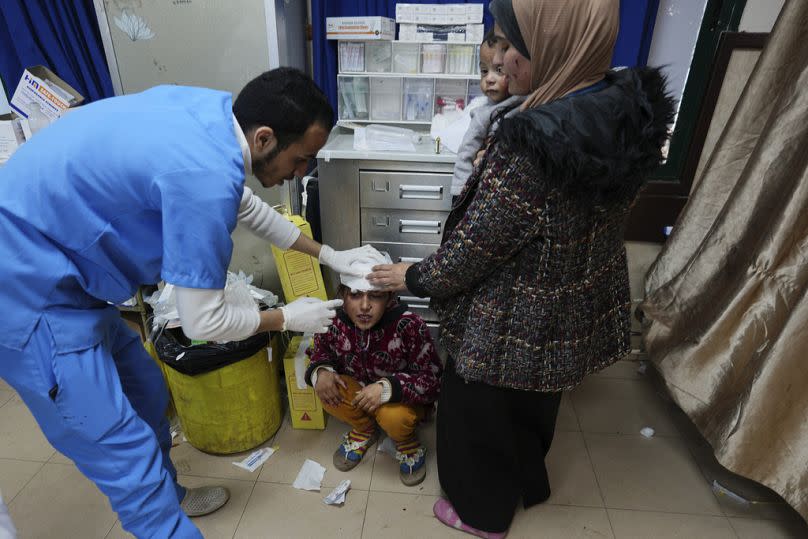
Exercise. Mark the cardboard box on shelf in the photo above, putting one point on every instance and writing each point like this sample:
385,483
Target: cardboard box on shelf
305,409
41,92
439,13
360,28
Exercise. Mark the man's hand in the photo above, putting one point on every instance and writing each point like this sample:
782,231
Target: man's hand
309,315
327,388
390,277
369,399
341,261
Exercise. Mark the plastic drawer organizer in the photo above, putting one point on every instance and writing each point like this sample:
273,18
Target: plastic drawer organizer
405,82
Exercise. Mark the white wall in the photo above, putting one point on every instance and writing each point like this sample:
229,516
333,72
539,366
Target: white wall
675,33
760,15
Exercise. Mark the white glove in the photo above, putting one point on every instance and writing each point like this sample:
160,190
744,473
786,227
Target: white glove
309,315
340,261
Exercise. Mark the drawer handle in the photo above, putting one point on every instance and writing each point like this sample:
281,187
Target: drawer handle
381,221
409,259
415,303
377,187
423,192
418,227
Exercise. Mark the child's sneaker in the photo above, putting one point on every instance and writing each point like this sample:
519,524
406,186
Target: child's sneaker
411,456
353,448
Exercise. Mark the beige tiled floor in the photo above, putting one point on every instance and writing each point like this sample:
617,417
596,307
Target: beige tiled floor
608,481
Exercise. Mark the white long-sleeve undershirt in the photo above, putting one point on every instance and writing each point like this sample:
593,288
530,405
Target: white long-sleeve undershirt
204,315
265,222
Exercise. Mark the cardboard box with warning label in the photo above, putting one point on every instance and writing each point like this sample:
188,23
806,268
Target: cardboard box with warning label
305,408
299,273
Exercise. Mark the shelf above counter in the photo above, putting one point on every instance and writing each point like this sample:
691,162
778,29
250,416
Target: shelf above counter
428,76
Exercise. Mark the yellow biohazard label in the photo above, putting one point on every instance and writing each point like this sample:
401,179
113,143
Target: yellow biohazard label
302,399
302,276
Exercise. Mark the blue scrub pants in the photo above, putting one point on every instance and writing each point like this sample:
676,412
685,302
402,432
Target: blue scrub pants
104,408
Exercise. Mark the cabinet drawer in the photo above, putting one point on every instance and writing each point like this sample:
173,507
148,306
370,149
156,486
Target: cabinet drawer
402,226
434,331
401,190
420,306
405,252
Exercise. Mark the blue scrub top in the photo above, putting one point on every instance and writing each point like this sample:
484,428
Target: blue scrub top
118,193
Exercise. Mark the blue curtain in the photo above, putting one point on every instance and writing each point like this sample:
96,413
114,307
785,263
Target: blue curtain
637,19
62,35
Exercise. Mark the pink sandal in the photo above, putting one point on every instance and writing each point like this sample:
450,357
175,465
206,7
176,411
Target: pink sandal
446,513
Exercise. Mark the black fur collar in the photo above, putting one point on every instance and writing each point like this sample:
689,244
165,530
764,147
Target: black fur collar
601,144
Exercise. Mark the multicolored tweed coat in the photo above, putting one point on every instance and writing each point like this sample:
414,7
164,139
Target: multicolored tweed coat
531,281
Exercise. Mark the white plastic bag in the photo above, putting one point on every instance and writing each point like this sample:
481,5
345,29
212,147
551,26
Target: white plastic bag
238,290
385,138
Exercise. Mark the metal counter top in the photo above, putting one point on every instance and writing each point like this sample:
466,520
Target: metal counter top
340,146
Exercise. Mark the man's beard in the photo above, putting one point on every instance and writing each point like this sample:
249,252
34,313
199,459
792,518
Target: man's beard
261,166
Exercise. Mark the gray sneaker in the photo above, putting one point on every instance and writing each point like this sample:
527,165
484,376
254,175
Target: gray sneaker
412,466
204,500
350,453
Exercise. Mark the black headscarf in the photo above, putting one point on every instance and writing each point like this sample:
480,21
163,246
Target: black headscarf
502,10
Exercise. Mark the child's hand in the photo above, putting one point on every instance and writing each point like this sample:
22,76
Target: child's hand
369,399
479,156
327,388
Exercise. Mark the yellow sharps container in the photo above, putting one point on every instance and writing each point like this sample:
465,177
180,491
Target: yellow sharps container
233,408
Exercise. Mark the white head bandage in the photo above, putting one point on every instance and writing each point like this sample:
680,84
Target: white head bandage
365,266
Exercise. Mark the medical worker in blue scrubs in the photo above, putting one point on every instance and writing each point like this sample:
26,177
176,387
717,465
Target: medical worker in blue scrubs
128,191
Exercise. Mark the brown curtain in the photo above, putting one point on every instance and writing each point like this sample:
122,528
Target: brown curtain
727,295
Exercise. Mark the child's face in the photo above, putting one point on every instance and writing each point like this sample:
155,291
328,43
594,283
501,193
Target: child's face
493,82
365,309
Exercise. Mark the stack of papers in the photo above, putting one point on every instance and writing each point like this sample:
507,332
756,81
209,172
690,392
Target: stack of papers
4,106
8,140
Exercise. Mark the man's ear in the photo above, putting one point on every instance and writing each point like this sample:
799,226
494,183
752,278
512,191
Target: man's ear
263,139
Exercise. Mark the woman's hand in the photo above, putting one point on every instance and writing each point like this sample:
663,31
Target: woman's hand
328,387
369,399
389,277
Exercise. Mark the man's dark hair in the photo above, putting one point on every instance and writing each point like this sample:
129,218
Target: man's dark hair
285,99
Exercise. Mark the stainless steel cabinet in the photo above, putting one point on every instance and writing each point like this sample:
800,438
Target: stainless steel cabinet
396,202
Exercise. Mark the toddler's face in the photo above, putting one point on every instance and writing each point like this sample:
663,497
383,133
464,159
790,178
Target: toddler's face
365,309
493,81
